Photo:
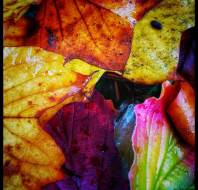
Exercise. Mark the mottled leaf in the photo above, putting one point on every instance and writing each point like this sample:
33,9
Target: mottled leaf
85,133
75,29
155,50
31,158
37,83
161,161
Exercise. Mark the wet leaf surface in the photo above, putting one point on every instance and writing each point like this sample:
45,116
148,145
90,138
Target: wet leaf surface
161,160
85,133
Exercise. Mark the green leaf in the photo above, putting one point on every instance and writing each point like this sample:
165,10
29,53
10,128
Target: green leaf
161,162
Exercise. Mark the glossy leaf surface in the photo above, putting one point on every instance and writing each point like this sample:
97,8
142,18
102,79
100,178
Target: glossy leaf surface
37,82
161,162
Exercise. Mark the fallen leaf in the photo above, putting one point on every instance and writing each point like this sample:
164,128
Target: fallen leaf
161,161
155,51
36,85
15,9
182,112
31,157
75,29
85,133
186,65
123,127
36,81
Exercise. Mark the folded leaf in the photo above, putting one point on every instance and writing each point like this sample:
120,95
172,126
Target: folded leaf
85,133
36,80
75,29
186,65
161,162
182,112
31,157
123,126
155,50
15,9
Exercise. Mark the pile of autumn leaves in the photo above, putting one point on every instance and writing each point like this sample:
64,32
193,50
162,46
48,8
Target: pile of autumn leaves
58,131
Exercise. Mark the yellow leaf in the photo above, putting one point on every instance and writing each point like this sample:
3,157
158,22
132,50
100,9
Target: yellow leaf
15,9
35,80
36,85
31,157
154,54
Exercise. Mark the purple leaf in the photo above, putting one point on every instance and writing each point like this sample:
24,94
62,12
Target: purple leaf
85,133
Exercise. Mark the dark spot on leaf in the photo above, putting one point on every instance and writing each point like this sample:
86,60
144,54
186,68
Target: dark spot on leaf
52,99
29,102
156,24
95,161
18,147
32,29
51,36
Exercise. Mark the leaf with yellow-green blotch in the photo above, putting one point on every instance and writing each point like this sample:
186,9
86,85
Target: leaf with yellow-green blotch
155,52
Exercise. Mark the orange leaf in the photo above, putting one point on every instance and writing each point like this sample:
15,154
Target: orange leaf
182,112
75,29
